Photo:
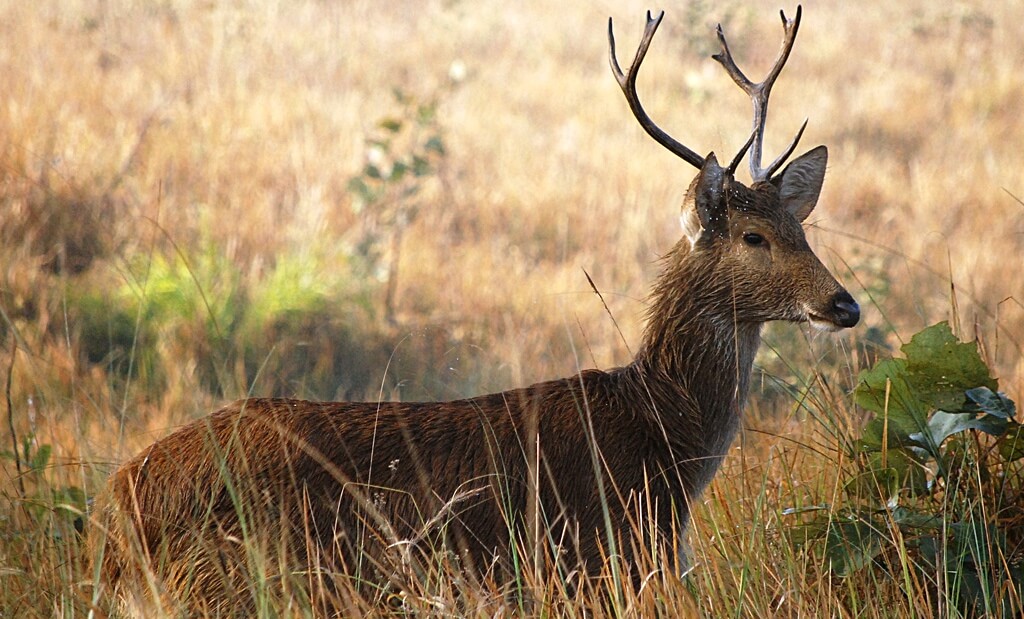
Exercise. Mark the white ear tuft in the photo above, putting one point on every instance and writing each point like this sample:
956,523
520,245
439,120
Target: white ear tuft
690,223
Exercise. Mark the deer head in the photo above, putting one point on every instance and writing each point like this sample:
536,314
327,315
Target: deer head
749,241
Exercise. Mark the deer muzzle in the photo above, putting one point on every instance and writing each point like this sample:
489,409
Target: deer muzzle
845,310
842,312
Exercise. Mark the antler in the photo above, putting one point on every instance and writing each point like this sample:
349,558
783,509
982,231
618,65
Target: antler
759,96
628,84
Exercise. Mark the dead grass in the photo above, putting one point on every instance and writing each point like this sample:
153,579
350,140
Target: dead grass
134,130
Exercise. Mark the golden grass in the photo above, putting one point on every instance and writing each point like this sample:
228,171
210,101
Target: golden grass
166,129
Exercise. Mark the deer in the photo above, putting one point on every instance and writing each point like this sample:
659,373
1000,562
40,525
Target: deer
588,465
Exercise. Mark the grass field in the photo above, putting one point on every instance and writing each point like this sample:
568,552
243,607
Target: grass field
187,216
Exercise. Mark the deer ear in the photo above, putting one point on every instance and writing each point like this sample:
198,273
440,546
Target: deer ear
800,183
705,201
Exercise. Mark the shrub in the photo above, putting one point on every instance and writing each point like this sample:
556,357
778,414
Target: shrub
935,491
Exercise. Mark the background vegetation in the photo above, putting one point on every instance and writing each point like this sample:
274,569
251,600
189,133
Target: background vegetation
202,200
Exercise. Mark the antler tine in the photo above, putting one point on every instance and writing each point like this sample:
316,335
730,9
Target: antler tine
735,163
760,92
627,82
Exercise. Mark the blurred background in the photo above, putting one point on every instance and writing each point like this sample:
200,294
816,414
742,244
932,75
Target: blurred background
202,200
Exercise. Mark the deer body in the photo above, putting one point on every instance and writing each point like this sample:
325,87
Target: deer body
580,462
661,435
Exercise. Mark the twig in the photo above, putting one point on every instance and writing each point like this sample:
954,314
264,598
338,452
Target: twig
609,312
10,414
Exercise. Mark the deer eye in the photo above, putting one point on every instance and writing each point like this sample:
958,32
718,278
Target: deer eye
753,239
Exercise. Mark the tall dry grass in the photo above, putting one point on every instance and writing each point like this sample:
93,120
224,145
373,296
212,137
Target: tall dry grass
210,142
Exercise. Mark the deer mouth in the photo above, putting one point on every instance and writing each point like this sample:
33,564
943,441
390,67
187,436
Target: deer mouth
843,313
822,323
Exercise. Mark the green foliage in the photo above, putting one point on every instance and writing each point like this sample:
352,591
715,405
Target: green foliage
297,284
110,334
308,329
59,508
185,309
406,150
416,129
402,158
934,472
205,289
940,389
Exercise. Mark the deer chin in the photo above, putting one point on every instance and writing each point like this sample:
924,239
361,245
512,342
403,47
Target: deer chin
821,323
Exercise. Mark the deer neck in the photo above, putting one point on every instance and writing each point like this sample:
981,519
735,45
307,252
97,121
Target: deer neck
694,365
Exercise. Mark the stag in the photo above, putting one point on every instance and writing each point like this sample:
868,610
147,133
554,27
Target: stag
583,470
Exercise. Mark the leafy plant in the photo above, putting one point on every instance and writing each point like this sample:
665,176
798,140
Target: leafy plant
936,480
406,151
61,506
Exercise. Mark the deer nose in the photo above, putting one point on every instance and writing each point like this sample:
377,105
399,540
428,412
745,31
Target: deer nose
845,309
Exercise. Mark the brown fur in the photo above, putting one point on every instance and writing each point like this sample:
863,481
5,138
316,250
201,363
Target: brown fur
578,463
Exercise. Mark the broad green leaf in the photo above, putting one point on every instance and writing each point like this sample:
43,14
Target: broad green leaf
992,402
942,425
902,431
877,485
871,387
916,520
885,478
990,424
937,374
884,390
940,369
930,548
851,546
808,532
